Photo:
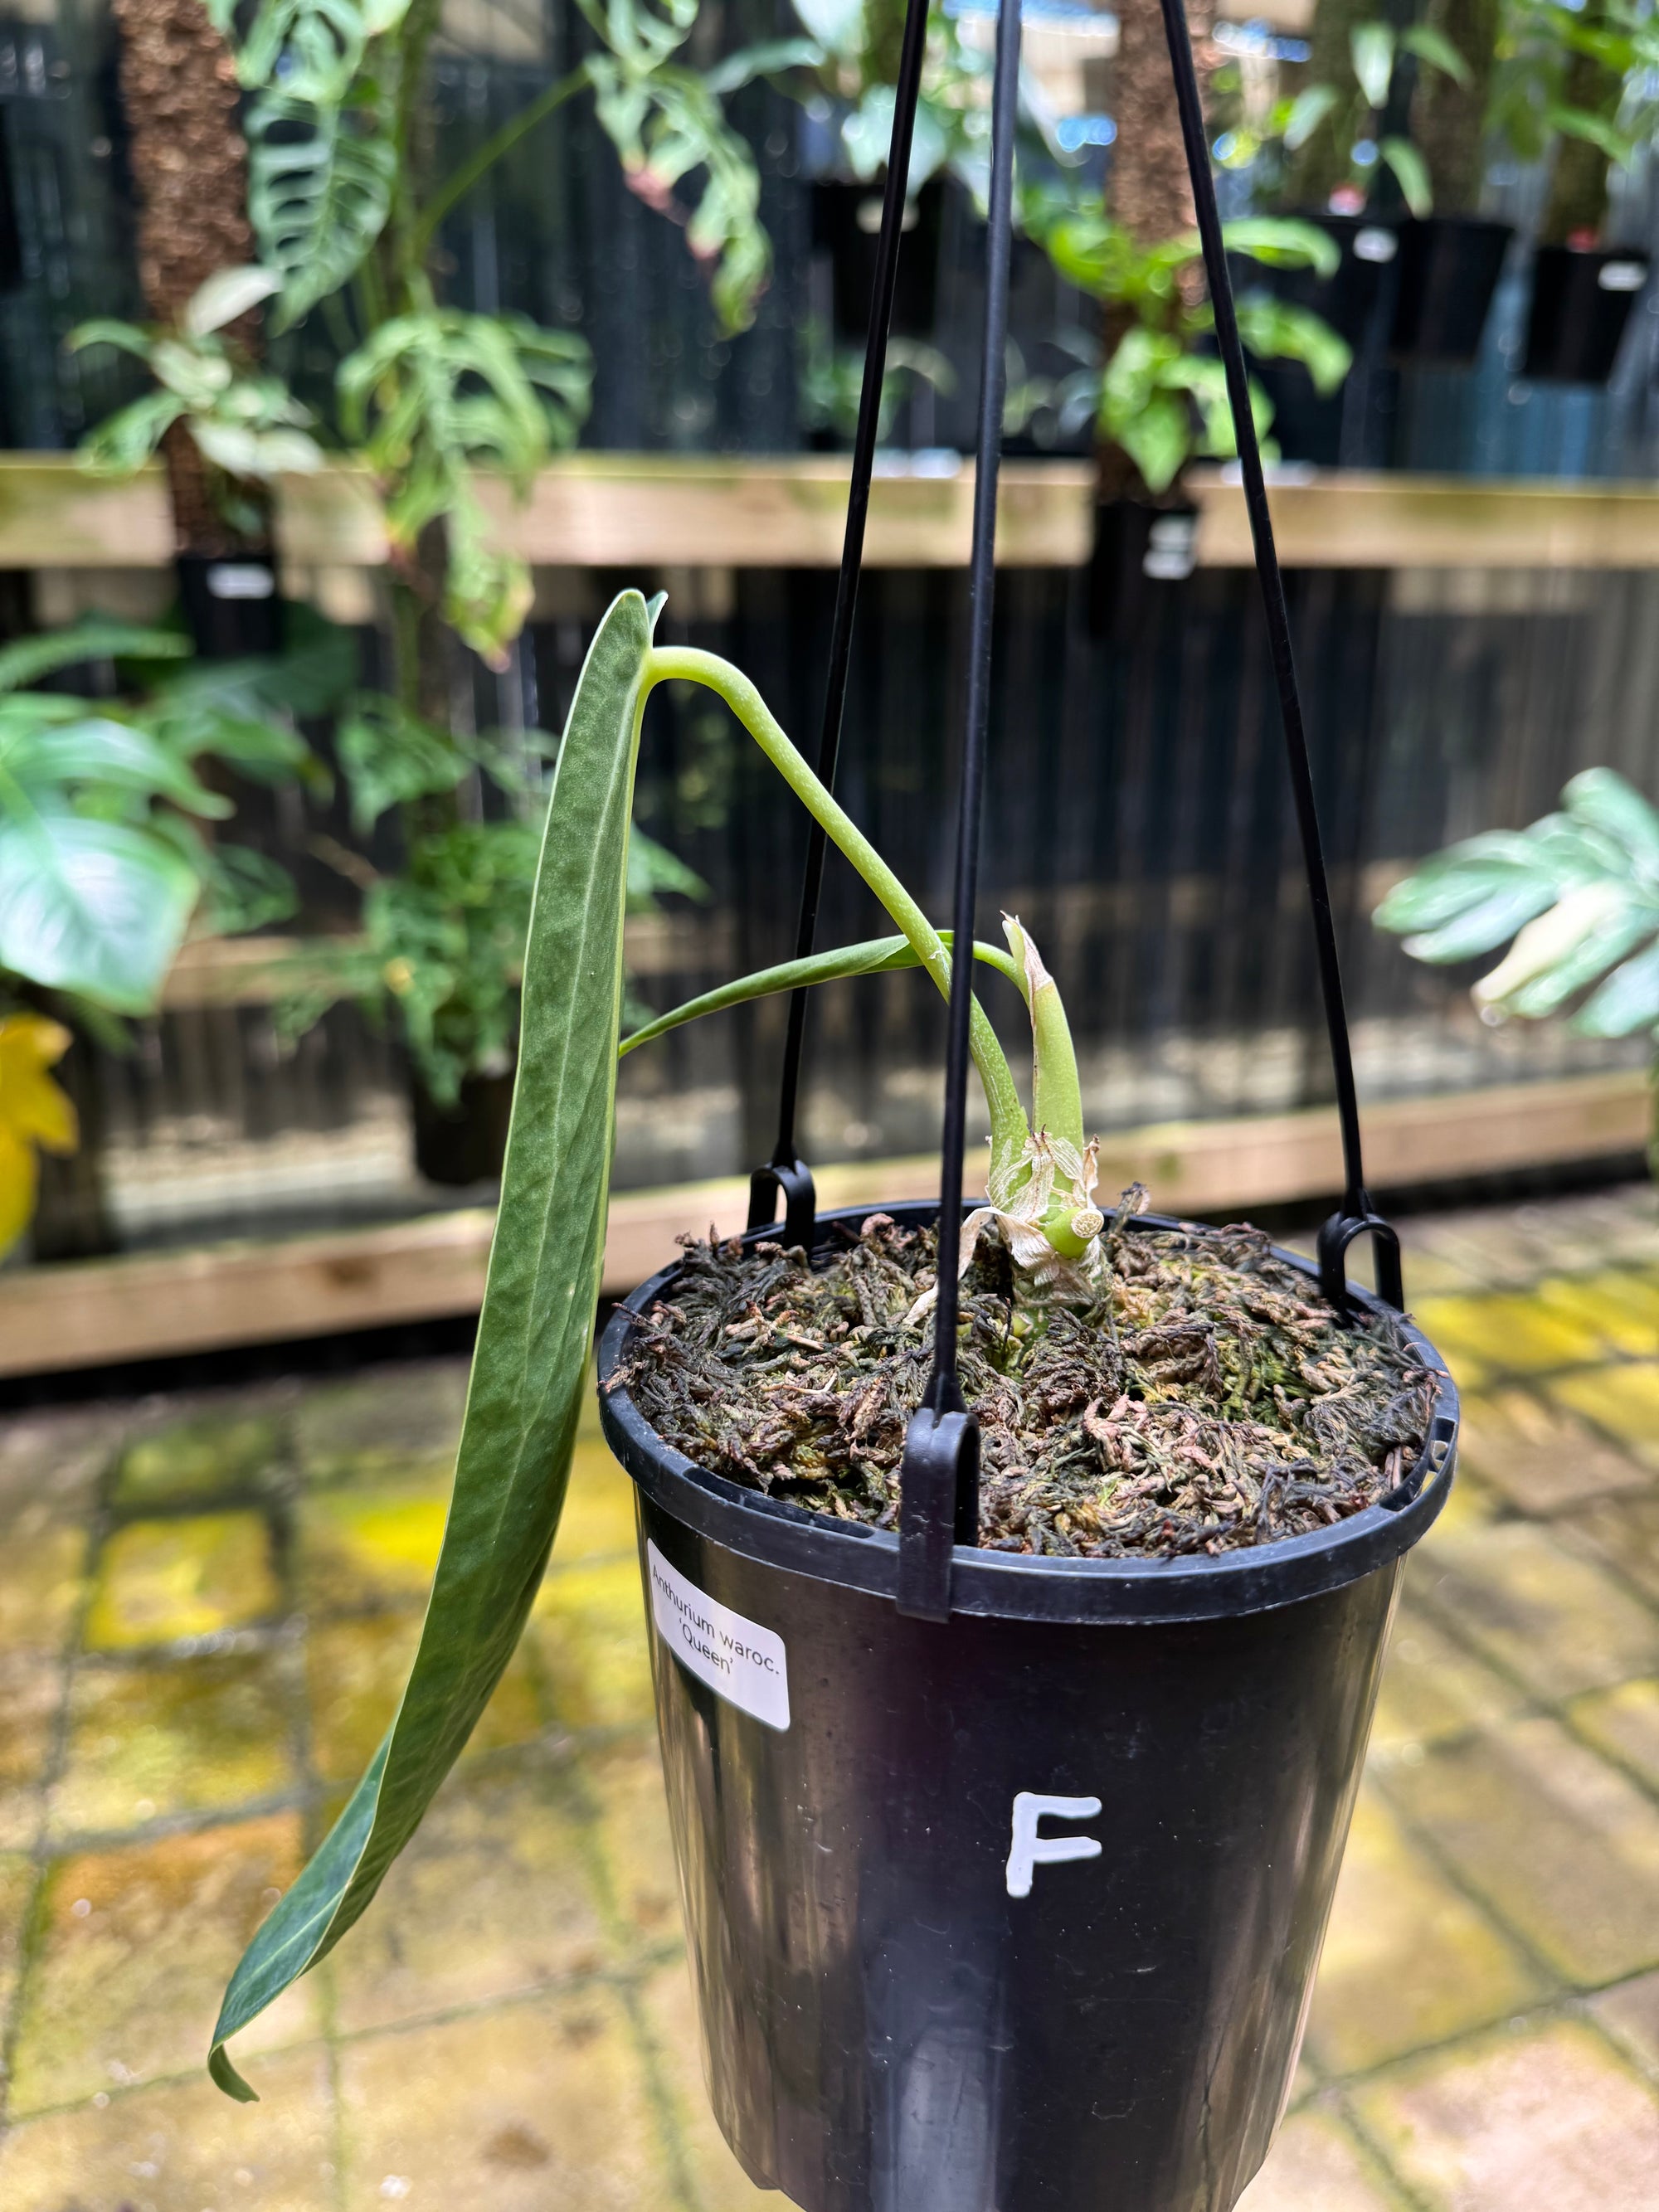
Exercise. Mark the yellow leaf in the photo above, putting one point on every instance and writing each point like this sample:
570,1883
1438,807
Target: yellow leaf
19,1177
32,1109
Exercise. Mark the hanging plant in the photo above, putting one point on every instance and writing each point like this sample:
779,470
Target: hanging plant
1054,1272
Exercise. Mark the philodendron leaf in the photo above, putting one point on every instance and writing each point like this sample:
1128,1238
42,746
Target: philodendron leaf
534,1334
97,907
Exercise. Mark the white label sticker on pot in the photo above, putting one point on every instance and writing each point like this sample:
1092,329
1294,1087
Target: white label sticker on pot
745,1662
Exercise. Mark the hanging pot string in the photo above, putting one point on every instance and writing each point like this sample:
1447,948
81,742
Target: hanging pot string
1357,1216
939,1477
786,1172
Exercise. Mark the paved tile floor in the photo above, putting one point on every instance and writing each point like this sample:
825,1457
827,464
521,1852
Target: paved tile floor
206,1608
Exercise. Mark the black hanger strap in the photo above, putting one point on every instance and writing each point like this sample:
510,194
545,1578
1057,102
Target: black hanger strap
787,1174
1356,1213
939,1477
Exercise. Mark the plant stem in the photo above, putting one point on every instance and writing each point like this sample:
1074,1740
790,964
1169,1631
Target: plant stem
1577,201
405,256
460,182
1010,1133
1449,119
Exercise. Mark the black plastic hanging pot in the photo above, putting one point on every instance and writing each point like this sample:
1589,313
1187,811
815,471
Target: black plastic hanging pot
1019,1911
1448,267
464,1143
1580,302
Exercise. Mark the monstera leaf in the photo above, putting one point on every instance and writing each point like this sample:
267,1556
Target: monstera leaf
312,48
433,394
319,190
1577,892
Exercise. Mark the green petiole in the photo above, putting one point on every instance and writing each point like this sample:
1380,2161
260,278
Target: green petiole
1010,1136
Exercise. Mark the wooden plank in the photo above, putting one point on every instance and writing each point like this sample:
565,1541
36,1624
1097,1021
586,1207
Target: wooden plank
628,510
652,511
1352,518
153,1304
587,511
249,971
53,515
93,1313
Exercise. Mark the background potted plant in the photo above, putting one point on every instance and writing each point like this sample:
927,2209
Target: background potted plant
441,940
1576,86
1392,121
1160,399
1451,258
345,212
1575,897
843,73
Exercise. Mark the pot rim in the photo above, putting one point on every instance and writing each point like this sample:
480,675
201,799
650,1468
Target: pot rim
1023,1586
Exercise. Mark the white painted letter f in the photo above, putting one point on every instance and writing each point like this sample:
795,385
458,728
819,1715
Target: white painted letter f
1030,1850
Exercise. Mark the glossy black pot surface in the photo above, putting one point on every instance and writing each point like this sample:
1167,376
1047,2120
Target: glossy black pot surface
1580,302
1020,1912
1448,267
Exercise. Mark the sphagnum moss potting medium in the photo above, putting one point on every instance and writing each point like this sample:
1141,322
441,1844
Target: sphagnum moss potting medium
1204,1398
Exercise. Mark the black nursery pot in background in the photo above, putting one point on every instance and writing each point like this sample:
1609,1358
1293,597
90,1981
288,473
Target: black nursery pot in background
464,1143
1449,268
1347,300
1141,549
847,223
1580,302
230,607
1356,301
1019,1912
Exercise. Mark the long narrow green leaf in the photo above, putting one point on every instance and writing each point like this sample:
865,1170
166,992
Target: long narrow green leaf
880,956
534,1334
